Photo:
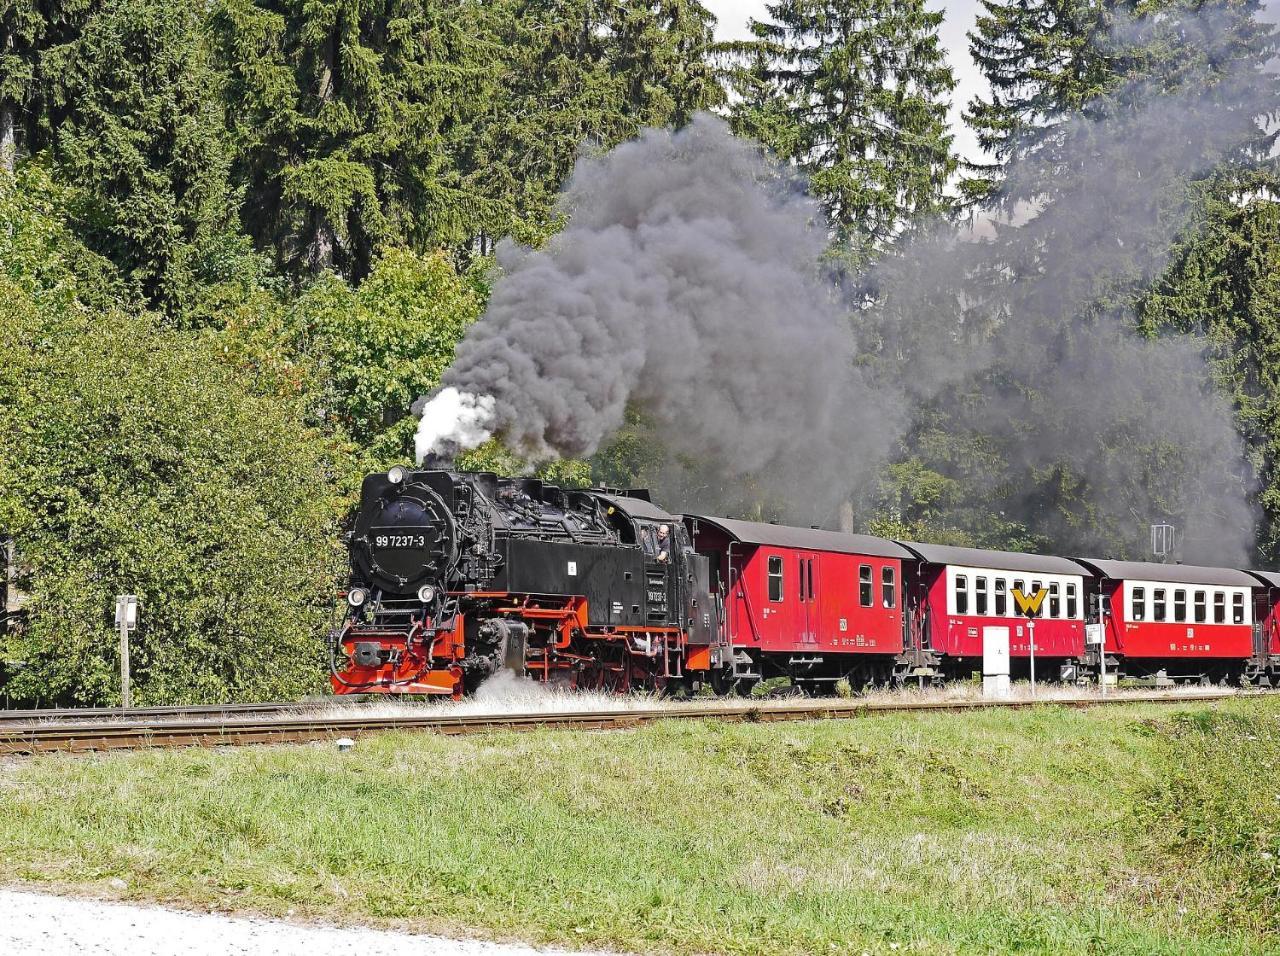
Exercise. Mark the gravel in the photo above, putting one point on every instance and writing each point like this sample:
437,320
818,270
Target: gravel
42,925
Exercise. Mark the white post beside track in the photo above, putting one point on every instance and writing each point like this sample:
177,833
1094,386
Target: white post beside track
126,620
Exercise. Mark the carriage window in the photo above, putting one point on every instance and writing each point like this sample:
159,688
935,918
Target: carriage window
962,594
1021,588
1002,597
979,595
1219,607
1055,600
864,585
1180,606
1158,604
888,587
1139,604
1073,603
775,578
1202,608
1237,608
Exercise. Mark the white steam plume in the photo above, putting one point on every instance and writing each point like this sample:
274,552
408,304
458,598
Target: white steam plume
452,421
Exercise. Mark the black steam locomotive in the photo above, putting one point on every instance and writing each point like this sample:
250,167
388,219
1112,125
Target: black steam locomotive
458,575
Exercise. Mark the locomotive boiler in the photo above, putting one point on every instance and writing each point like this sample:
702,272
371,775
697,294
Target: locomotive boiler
456,576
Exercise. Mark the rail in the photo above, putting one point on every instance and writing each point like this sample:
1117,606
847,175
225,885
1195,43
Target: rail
86,735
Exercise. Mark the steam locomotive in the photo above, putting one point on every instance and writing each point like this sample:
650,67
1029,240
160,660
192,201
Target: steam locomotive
456,576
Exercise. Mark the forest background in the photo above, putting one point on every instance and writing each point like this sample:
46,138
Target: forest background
239,238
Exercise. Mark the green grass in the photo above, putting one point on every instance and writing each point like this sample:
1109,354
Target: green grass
1129,829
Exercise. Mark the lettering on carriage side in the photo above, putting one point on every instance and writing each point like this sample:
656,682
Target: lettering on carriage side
1029,604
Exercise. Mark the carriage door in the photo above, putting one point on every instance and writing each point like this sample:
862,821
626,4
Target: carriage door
1262,622
807,586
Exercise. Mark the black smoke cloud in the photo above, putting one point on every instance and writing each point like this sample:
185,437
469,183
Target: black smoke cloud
685,285
1026,336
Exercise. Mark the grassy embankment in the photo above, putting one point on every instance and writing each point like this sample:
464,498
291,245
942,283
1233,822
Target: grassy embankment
1132,829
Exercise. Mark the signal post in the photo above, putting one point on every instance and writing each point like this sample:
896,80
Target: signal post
1028,606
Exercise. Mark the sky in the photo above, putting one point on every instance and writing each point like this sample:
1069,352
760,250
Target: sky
960,14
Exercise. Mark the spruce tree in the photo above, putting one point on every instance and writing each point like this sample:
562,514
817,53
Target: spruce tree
349,119
1048,61
131,115
28,29
855,94
587,74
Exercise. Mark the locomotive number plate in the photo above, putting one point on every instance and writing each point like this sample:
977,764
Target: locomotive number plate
401,541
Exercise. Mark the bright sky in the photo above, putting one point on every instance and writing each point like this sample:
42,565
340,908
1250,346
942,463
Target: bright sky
960,14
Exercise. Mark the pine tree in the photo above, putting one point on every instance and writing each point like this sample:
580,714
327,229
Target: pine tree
855,94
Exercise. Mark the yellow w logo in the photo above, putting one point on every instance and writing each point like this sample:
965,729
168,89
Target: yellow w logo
1029,604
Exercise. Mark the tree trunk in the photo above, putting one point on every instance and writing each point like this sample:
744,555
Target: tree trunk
8,139
320,250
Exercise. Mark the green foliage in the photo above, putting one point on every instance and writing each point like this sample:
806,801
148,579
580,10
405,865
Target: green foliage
351,122
378,348
585,74
28,30
1049,60
134,124
855,94
134,458
439,123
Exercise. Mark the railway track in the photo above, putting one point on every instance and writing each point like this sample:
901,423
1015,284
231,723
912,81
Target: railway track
200,711
241,728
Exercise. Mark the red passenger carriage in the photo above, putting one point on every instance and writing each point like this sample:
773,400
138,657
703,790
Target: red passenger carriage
815,606
958,593
1168,621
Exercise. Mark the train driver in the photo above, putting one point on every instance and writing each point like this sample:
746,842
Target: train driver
664,543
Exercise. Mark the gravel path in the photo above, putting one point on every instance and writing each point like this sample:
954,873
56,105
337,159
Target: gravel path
36,924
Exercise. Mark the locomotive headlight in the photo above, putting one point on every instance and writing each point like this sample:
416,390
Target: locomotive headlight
357,596
397,474
426,593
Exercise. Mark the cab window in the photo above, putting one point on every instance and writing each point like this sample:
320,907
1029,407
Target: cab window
775,578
